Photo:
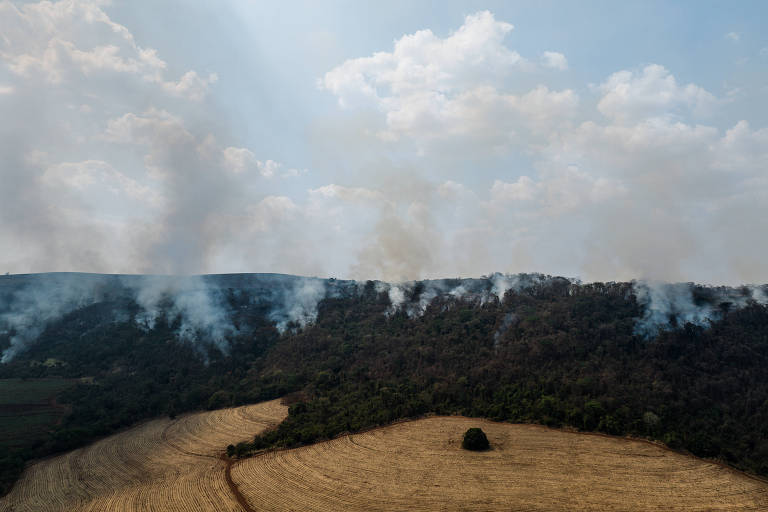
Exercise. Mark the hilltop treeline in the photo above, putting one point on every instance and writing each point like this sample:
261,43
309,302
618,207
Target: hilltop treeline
556,353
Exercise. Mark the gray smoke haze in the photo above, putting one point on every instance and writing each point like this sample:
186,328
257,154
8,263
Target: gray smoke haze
507,321
25,311
414,297
672,305
196,305
298,305
30,303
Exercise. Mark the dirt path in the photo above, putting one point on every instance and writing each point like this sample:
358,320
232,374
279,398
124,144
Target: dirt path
233,486
228,463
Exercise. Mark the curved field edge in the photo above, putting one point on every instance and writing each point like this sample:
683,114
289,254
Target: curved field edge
159,465
419,465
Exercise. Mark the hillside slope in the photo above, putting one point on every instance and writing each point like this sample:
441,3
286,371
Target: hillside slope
683,364
163,465
420,466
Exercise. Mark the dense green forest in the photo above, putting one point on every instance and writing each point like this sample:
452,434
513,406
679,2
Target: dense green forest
558,353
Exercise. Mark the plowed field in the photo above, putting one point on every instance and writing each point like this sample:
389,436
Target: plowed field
162,465
420,465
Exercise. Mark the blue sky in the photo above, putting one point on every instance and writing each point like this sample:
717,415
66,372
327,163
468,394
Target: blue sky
396,140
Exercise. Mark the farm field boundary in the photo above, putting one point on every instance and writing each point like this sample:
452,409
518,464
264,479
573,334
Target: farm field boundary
419,465
162,465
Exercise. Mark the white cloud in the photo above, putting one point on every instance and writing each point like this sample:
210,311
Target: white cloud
430,87
452,190
524,189
89,173
425,62
481,169
153,127
191,85
733,36
554,60
633,95
271,212
55,40
238,159
359,195
294,173
268,168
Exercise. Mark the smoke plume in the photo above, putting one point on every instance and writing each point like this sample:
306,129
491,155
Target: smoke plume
671,305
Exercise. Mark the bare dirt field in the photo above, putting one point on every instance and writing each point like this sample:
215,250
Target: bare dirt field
165,465
161,465
420,465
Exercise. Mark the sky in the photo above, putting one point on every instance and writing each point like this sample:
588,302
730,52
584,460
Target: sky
394,140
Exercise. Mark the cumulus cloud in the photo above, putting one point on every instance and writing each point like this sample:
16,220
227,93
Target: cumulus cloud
554,60
239,160
55,41
431,87
425,62
650,92
191,85
646,192
98,174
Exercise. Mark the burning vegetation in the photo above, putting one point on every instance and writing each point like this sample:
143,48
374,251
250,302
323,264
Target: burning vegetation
683,364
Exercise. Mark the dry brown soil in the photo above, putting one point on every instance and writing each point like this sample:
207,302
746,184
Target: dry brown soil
166,465
420,465
161,465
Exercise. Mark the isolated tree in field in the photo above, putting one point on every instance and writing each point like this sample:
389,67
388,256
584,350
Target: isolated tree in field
475,439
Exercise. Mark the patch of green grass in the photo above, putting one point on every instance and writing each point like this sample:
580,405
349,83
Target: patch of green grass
19,429
31,391
25,413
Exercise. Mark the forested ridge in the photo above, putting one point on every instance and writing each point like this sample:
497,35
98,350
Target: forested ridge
557,353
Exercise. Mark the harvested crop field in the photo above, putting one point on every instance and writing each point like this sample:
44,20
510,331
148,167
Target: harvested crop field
420,465
162,465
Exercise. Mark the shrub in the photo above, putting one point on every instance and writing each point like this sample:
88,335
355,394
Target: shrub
475,439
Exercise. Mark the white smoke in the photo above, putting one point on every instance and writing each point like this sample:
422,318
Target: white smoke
39,300
191,301
198,308
30,309
414,297
502,283
196,305
670,305
299,304
506,322
396,298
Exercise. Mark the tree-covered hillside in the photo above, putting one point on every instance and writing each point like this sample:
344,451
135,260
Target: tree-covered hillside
545,350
